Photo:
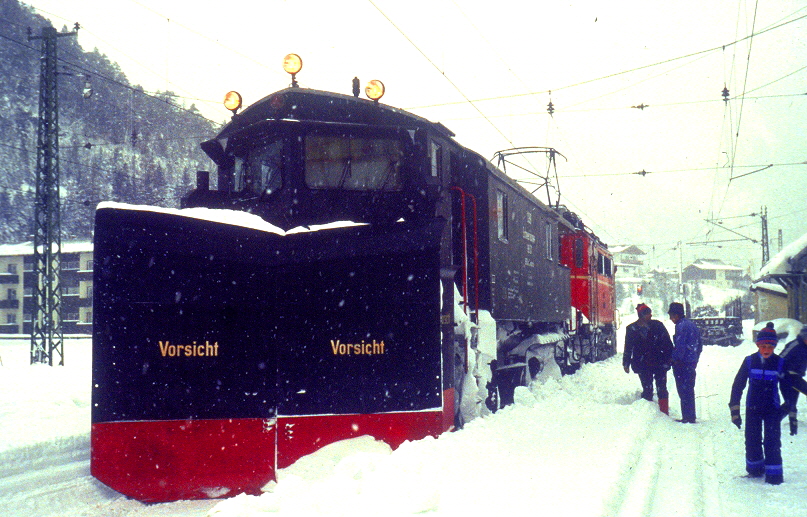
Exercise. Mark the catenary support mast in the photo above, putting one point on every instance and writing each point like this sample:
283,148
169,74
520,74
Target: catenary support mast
46,320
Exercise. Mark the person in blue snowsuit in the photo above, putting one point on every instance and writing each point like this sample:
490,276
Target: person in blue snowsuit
795,366
763,414
686,352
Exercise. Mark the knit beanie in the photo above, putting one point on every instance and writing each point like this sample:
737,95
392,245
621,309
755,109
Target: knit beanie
767,336
676,308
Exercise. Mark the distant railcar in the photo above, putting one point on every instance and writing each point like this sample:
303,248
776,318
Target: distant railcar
360,272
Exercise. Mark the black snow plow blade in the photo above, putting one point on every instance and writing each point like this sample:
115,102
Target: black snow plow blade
201,321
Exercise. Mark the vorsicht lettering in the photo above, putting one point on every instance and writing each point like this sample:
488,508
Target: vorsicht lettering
194,349
361,348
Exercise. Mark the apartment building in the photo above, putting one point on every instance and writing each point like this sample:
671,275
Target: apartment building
17,281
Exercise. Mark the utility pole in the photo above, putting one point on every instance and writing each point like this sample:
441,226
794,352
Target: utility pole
46,317
766,252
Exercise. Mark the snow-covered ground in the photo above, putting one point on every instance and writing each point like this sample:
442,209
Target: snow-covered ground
583,445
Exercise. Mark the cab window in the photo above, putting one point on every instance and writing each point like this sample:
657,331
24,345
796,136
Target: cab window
260,171
353,163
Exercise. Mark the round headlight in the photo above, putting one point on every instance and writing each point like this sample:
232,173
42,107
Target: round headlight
232,101
374,89
292,63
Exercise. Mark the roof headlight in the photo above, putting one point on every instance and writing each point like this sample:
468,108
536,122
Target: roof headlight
374,89
232,101
292,64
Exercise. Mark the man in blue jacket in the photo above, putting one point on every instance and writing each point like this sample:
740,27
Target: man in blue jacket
687,351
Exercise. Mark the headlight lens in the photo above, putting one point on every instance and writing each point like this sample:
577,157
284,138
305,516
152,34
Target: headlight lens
374,89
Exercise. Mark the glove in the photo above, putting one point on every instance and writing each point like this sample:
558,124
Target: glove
735,416
794,424
627,368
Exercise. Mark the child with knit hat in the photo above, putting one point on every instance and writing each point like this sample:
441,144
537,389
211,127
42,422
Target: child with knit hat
761,371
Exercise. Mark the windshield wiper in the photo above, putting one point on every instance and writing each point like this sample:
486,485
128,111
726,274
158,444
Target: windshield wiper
345,173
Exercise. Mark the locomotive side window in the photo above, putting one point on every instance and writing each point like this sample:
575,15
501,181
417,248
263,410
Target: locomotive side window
548,237
264,169
604,265
436,157
502,213
578,253
352,163
260,171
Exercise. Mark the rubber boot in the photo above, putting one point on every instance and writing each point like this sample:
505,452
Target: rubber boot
664,406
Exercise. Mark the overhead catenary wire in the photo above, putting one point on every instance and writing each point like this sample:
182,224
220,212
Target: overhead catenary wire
616,74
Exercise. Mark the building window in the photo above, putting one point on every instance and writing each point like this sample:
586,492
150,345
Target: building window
11,318
88,317
89,265
502,213
89,291
71,316
12,294
70,264
12,268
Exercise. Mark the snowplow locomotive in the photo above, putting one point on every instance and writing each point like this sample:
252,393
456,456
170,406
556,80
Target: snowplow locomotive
355,271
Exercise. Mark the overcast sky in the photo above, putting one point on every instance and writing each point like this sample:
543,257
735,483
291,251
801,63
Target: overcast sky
486,69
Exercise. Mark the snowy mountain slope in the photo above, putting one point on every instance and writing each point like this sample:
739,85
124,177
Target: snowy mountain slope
578,445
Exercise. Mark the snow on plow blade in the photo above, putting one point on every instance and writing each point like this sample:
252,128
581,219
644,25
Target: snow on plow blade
222,353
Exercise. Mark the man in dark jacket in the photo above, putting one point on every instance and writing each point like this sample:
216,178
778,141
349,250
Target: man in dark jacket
761,372
795,365
687,351
648,349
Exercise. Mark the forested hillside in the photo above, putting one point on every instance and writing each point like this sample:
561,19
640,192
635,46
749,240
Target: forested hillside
121,143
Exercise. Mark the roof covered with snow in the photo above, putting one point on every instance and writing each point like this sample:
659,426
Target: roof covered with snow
27,248
782,262
713,265
768,286
631,249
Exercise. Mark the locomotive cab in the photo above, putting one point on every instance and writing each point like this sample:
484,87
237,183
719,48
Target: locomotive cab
302,157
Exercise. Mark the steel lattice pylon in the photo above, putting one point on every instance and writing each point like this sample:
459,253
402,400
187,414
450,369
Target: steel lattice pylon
46,321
